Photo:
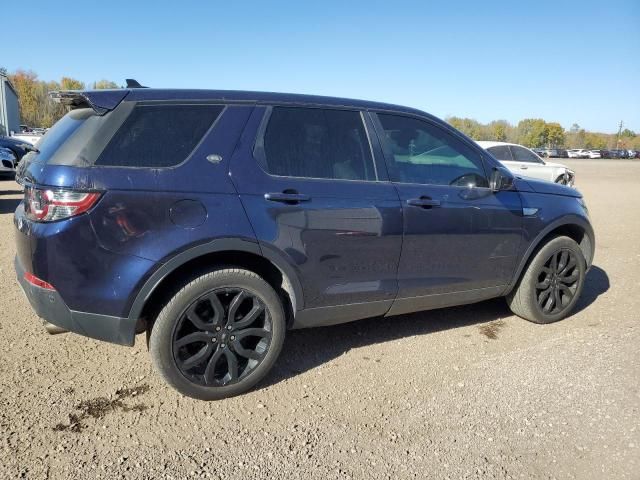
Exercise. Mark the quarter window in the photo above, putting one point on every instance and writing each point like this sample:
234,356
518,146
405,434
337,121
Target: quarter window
316,143
424,153
159,135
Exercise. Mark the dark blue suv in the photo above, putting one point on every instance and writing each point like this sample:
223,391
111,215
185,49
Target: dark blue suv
215,221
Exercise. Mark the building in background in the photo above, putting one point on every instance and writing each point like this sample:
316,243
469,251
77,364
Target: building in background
9,113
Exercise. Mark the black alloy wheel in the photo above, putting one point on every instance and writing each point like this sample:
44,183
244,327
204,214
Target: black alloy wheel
222,337
557,282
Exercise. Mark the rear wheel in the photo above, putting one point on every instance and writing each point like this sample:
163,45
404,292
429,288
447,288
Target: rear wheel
552,283
219,335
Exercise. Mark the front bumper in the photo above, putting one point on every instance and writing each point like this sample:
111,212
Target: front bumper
49,306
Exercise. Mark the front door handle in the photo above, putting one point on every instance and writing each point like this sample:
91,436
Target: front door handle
523,167
423,202
290,198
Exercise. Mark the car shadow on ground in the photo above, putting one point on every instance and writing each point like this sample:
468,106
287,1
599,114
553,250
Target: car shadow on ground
8,205
306,349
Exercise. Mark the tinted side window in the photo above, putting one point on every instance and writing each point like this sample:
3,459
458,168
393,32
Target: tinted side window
424,153
501,152
159,135
521,154
316,143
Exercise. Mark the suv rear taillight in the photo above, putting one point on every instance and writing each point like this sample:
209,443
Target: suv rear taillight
49,205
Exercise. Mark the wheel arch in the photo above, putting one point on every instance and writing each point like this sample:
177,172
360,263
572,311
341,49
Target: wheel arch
572,226
228,251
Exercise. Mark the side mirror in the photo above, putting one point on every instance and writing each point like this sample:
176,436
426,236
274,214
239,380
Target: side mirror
500,180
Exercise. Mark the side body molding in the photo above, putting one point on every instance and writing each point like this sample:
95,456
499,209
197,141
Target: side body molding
290,279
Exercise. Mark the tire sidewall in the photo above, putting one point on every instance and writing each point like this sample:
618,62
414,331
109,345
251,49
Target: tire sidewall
161,338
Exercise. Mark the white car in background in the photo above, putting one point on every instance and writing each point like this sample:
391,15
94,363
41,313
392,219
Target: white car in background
525,163
594,154
577,153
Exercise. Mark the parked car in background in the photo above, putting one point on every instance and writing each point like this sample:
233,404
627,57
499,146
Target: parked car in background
594,154
255,213
27,137
18,147
524,162
575,153
539,151
552,153
8,162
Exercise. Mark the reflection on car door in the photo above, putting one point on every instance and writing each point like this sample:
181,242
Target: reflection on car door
311,185
460,239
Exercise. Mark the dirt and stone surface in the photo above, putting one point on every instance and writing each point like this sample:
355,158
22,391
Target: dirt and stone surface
468,392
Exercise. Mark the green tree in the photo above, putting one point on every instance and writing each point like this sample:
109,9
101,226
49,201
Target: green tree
555,135
68,83
104,84
497,130
532,132
468,126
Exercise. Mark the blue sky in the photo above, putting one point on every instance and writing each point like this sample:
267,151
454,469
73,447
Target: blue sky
565,61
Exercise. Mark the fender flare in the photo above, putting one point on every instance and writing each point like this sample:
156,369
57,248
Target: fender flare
566,220
218,245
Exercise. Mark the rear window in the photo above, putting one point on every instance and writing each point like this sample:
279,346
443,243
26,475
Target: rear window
158,135
62,131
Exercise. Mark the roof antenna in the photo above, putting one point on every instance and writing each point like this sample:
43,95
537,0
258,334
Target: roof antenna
131,83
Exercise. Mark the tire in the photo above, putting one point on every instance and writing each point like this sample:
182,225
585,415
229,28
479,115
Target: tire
530,300
219,335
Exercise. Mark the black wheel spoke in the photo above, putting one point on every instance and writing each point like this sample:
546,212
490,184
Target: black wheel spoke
566,291
218,309
562,263
558,301
197,358
245,352
250,317
544,296
194,318
193,338
222,336
569,279
569,266
209,372
253,332
232,365
235,304
544,284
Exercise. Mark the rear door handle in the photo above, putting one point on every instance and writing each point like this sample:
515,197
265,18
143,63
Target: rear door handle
287,197
423,202
523,167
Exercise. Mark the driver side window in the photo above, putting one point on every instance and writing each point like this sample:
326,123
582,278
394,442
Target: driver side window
423,153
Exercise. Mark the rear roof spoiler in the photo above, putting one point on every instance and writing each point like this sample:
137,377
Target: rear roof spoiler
101,101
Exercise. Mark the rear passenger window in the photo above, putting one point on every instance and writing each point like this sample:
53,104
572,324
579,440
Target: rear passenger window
316,143
424,153
158,135
501,152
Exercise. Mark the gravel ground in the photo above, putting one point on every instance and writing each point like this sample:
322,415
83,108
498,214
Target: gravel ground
468,392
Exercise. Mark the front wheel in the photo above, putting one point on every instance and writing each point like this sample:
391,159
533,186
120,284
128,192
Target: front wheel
552,283
219,335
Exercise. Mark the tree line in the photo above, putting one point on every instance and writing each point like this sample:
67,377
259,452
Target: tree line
535,132
37,110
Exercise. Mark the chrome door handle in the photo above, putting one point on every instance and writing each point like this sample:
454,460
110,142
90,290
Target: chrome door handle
285,197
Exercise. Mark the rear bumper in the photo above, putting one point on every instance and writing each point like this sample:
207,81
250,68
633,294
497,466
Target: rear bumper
49,306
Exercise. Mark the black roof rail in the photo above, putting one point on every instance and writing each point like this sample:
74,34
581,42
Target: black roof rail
131,83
